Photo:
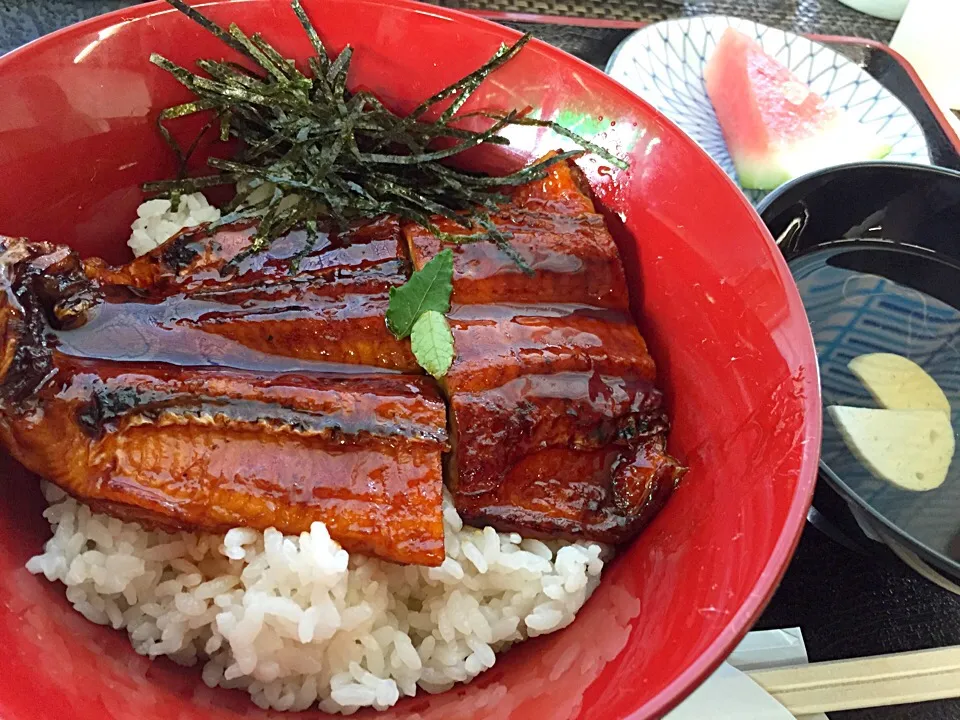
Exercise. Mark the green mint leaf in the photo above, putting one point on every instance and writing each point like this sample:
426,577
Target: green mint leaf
427,289
432,343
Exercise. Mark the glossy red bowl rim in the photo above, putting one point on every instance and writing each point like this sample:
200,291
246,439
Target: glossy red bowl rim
747,614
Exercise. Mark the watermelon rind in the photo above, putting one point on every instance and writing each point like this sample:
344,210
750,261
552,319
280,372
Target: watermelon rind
843,141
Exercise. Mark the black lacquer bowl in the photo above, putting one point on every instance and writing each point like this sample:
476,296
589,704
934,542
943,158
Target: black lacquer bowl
875,251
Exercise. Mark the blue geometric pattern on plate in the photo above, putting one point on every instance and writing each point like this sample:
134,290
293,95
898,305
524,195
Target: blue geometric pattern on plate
663,63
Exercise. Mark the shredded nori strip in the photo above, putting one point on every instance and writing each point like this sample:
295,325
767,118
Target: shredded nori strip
330,152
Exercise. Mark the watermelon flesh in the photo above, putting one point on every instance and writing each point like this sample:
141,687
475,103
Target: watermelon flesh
776,128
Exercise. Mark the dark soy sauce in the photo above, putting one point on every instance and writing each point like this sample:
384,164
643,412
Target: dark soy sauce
873,296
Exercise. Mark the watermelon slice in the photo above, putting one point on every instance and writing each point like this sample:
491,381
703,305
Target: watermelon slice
776,128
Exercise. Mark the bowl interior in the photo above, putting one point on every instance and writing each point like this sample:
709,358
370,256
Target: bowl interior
896,201
874,250
714,298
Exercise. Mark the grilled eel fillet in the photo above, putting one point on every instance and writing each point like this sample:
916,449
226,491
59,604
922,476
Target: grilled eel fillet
557,428
195,389
164,393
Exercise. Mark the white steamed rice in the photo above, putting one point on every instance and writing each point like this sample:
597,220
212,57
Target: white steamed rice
295,620
157,221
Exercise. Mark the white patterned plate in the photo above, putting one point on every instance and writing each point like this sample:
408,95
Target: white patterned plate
663,63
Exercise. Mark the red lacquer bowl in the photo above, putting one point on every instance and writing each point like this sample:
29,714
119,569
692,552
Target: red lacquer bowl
714,298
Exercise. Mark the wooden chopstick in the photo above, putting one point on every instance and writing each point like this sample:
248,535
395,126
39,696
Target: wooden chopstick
865,682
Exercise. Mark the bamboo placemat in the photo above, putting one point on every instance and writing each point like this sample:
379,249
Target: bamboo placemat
24,20
825,17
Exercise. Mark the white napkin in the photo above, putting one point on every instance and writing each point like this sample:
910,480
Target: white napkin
730,694
927,38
